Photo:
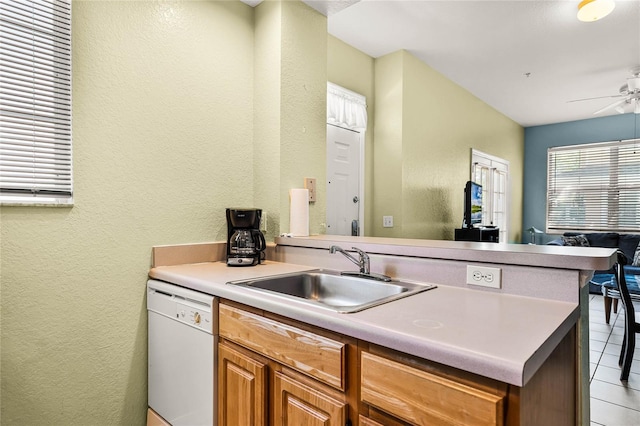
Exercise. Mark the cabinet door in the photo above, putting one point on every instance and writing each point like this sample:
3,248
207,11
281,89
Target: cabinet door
242,389
366,421
297,404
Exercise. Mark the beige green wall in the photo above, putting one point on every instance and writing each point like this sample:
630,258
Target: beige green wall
163,135
303,97
183,108
441,123
354,70
266,113
290,109
421,129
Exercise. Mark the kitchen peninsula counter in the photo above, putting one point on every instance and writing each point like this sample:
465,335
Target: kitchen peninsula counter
493,335
508,333
501,336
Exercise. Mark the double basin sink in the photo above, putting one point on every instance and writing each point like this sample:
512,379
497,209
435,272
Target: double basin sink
331,290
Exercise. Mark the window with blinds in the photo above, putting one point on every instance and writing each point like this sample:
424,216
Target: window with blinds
594,187
35,102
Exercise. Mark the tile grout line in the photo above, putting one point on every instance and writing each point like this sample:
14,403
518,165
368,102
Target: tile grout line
614,403
597,361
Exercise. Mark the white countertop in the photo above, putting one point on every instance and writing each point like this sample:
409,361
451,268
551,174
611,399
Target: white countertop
500,336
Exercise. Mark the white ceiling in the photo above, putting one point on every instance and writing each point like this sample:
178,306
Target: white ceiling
488,47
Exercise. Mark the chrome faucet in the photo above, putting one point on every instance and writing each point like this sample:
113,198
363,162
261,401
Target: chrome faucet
363,263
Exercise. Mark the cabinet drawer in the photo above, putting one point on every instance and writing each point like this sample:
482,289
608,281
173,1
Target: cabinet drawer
424,398
317,356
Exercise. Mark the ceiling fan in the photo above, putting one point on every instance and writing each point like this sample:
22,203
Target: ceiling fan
629,94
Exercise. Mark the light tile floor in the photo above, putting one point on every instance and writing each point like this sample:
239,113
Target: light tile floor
613,403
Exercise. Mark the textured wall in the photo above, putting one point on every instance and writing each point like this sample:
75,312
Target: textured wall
354,70
163,94
539,138
303,93
387,151
291,99
432,132
266,138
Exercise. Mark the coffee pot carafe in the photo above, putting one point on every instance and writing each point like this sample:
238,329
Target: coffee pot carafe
245,241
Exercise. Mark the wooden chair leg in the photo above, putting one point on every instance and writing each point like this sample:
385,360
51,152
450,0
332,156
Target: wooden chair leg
607,308
615,306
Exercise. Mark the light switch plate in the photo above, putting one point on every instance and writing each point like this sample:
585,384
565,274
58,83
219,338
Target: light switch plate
310,184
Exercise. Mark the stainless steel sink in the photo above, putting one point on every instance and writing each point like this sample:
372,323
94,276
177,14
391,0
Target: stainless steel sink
330,290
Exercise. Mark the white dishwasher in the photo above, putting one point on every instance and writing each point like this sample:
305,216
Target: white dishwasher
182,354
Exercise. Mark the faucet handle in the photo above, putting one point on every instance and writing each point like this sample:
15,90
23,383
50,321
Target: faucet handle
362,253
364,260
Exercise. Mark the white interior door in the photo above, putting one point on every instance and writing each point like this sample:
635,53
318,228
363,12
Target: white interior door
343,181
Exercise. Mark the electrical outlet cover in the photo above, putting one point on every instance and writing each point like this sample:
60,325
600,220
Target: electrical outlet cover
484,276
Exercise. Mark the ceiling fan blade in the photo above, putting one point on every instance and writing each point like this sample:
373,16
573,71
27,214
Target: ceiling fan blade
610,106
597,97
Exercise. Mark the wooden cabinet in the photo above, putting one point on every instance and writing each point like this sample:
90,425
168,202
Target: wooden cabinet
273,372
399,389
242,388
154,419
366,421
421,397
295,404
304,350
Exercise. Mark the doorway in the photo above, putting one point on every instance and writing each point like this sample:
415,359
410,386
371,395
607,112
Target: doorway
343,181
346,125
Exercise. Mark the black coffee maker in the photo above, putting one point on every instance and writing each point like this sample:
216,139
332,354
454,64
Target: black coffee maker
245,241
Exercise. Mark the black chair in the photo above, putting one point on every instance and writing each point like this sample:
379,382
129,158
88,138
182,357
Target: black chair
631,327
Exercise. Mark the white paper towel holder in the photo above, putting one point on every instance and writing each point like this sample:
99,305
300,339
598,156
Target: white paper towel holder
299,212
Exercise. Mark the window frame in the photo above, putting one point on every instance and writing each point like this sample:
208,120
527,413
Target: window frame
604,202
495,195
36,155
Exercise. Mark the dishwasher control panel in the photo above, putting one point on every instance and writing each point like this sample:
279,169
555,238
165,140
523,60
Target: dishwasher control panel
186,306
197,316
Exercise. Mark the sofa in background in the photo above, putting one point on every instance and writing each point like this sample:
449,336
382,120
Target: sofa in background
627,243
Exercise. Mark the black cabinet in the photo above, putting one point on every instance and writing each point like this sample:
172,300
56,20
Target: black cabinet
482,234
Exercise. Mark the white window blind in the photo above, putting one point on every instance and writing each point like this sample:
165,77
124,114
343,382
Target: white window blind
594,187
35,101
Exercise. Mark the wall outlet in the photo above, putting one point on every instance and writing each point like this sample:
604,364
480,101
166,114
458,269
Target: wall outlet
387,221
484,276
263,222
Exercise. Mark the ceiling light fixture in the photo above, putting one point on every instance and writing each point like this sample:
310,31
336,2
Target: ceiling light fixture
593,10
